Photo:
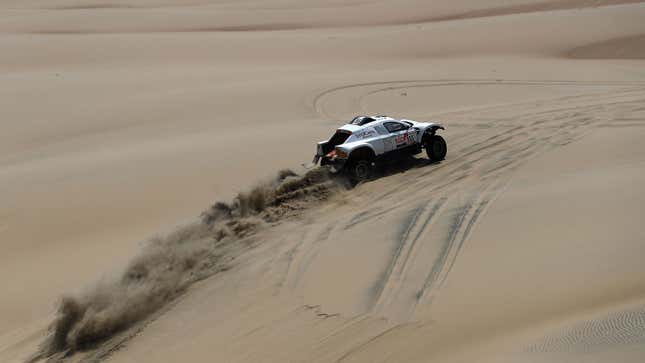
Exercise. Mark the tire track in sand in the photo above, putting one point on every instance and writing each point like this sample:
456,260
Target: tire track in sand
419,223
479,169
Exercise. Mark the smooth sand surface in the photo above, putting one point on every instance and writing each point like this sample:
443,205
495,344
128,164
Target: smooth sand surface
120,120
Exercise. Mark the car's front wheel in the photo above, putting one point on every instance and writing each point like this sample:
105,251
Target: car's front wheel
436,148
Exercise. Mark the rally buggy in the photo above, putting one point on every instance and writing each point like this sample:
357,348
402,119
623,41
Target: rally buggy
357,147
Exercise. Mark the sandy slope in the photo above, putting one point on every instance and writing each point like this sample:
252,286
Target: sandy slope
122,119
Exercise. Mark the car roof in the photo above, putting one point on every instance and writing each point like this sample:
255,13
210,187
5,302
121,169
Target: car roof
363,120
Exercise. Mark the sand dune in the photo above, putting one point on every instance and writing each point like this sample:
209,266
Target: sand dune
122,120
258,16
620,48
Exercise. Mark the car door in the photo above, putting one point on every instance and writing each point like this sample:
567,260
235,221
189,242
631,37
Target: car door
398,136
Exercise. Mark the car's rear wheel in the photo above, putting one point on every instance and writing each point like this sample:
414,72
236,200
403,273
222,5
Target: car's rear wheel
436,148
360,170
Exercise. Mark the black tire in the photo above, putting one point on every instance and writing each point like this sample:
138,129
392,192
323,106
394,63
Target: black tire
436,148
360,170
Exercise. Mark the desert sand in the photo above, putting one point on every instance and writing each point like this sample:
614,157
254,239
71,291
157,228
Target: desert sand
122,120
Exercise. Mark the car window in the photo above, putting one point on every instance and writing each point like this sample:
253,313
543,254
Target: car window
394,126
380,129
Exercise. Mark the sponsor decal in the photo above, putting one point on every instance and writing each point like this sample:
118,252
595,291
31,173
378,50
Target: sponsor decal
401,139
404,139
366,133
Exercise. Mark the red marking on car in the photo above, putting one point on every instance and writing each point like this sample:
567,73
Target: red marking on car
401,139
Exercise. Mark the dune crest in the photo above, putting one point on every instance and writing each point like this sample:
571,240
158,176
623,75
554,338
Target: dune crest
632,47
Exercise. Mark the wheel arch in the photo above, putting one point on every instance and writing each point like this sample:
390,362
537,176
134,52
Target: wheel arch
431,130
364,151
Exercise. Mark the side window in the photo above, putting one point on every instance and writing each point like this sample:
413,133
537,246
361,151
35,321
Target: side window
394,126
380,129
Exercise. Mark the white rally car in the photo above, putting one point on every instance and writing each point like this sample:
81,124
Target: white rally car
358,146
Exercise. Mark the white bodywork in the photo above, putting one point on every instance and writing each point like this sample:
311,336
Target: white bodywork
382,136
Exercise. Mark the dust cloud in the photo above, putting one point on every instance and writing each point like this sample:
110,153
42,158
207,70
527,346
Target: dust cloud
168,265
